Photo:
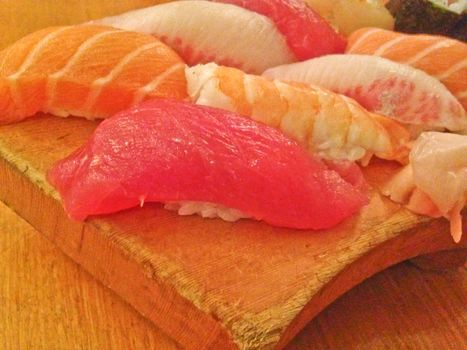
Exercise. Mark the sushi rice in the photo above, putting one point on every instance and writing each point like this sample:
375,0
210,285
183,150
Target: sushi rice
206,210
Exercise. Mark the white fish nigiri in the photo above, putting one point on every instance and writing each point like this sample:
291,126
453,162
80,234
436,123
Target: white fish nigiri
204,31
435,181
404,93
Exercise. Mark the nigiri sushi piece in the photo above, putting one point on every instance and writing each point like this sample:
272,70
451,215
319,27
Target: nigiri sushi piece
434,183
406,94
439,56
86,71
202,159
204,31
307,33
328,124
350,15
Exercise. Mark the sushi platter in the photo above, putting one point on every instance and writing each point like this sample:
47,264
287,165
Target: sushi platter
208,283
238,183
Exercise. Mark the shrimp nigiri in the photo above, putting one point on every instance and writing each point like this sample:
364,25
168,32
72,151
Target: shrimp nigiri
203,160
331,125
441,57
86,71
406,94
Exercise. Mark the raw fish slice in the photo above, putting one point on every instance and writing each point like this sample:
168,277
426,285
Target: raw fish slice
330,125
171,151
441,57
307,34
350,15
204,31
404,93
435,181
86,71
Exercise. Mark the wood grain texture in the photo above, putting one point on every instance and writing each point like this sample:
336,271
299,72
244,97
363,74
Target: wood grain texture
442,261
47,302
245,285
21,17
402,308
224,285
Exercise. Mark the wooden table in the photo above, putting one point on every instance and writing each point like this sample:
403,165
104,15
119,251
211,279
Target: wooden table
49,302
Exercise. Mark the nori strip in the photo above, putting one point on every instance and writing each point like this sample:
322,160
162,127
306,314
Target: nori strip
424,16
460,29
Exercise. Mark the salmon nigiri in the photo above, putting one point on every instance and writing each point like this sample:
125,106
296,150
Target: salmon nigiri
439,56
329,124
85,71
253,36
434,183
207,161
399,91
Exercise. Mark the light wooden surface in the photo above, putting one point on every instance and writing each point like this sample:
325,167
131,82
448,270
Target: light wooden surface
47,302
223,285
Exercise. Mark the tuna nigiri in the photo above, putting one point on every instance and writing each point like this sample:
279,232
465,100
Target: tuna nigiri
171,151
325,123
435,181
307,34
441,57
204,31
399,91
86,71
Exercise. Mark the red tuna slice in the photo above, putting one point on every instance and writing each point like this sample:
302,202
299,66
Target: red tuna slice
307,33
170,151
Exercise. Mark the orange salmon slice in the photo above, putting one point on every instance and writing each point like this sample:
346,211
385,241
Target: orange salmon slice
87,71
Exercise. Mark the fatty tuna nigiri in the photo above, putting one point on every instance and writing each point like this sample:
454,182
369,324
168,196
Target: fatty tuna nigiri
86,71
328,124
399,91
439,56
435,181
171,151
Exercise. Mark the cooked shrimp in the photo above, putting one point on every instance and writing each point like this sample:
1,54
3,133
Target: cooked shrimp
326,123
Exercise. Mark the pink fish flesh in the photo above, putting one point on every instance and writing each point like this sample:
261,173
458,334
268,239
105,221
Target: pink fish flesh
307,33
171,151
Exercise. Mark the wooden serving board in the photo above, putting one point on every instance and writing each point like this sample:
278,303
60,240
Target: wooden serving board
209,284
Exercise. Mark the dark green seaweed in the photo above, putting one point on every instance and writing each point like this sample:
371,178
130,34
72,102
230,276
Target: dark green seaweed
424,16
